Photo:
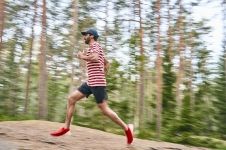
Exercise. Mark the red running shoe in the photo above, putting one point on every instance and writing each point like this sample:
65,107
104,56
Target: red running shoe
129,134
60,132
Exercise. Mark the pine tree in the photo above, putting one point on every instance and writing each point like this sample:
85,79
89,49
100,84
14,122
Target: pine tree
29,66
43,76
181,49
169,76
2,18
221,84
159,72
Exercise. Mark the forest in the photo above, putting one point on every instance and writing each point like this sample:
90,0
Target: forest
164,76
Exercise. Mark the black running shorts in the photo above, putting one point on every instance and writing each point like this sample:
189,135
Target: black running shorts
99,92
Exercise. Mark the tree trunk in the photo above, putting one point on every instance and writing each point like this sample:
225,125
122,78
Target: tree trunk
190,83
74,41
43,77
159,74
26,106
149,89
181,48
141,68
106,26
2,16
169,34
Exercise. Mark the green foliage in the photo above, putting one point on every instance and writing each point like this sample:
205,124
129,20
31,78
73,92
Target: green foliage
219,92
57,100
143,134
113,79
182,127
169,79
10,92
17,117
203,141
197,125
204,110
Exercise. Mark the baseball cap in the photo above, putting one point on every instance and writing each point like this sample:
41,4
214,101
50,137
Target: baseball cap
92,32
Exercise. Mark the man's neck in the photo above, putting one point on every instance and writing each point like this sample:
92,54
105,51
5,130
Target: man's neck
91,42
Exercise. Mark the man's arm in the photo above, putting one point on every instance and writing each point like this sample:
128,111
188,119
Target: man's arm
91,57
106,66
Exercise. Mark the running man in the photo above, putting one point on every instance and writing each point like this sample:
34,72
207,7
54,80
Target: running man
96,85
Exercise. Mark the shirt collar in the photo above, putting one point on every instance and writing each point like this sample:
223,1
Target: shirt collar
91,45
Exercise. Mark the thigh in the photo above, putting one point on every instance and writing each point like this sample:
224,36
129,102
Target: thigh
85,89
99,93
77,95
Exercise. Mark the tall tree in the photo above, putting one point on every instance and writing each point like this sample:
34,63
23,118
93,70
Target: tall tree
74,40
181,49
106,31
168,74
190,69
29,68
2,18
159,71
43,77
11,88
141,65
204,111
221,84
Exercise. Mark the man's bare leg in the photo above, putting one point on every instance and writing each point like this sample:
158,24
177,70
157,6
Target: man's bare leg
114,117
72,99
106,110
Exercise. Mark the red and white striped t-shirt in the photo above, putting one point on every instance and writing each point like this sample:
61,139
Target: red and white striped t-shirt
96,76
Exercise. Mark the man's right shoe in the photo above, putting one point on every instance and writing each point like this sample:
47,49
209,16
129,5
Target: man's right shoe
129,134
60,132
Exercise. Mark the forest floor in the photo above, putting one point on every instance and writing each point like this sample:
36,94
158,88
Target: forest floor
34,135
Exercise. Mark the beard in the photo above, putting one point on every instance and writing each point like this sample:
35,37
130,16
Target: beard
87,40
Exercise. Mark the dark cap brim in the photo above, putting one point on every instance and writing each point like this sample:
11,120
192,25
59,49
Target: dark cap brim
83,33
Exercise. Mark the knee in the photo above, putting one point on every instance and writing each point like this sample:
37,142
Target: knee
71,100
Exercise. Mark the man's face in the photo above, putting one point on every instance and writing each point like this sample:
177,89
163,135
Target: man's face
87,38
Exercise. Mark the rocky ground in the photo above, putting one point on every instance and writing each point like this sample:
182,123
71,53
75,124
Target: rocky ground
34,135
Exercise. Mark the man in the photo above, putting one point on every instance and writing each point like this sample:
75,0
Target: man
96,85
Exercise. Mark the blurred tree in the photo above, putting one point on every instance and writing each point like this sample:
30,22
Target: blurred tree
141,67
106,24
181,49
204,110
169,76
16,40
29,65
221,84
130,30
74,40
2,21
189,69
133,74
10,94
43,76
159,80
2,18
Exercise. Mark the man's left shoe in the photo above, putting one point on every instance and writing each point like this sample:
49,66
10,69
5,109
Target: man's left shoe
129,134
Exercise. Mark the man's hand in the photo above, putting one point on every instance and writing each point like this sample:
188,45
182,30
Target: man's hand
80,55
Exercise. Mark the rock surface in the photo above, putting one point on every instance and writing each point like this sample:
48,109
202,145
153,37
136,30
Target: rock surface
34,135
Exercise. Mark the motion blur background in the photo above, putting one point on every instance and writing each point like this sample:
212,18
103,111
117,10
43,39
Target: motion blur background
168,65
